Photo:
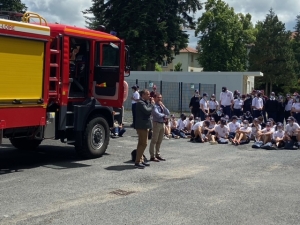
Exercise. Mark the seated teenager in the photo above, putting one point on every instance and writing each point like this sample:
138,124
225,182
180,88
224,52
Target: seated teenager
243,134
196,132
211,129
233,127
266,134
255,127
221,132
278,136
190,123
205,130
174,131
292,130
118,130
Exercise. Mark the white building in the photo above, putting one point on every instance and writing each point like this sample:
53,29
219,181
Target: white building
242,81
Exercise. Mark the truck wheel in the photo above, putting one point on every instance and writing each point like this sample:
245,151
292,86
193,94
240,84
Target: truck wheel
25,143
95,138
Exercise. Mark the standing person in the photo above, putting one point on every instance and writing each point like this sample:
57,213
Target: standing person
144,109
257,105
288,107
237,106
213,106
247,103
280,112
226,100
153,92
159,114
195,103
296,109
271,107
204,107
134,99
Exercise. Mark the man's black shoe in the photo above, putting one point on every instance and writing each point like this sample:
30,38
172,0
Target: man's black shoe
139,166
145,164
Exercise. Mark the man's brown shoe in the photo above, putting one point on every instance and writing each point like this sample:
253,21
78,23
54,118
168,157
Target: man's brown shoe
154,159
160,158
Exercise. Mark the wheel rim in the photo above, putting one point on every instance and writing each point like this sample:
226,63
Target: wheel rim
97,136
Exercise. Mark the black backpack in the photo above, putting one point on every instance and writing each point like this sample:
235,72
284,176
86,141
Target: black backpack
133,156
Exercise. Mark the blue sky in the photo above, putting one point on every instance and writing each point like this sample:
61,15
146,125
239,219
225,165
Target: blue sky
69,11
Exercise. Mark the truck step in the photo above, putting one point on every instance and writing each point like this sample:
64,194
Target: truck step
54,51
53,64
69,127
70,112
53,79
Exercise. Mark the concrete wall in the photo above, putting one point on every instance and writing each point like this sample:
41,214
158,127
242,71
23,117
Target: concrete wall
242,81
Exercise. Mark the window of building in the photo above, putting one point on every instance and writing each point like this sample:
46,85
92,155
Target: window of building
164,63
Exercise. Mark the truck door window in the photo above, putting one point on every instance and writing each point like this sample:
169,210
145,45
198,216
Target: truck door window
110,55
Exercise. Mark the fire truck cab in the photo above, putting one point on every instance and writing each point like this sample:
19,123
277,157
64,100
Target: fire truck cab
60,82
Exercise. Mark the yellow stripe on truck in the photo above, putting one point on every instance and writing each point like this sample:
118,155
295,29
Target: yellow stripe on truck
21,69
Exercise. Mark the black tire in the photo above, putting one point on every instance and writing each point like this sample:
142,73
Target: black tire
25,143
95,138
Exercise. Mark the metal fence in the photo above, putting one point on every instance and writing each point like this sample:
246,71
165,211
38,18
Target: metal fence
176,95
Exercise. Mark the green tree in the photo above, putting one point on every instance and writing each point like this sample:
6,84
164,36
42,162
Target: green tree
177,67
273,54
296,45
13,5
152,29
224,36
158,67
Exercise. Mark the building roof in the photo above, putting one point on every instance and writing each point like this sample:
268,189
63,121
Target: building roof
188,49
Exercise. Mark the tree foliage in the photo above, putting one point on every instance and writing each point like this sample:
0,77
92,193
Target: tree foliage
151,28
273,54
296,45
224,36
13,5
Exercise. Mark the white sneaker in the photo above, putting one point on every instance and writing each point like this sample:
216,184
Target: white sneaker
166,138
116,134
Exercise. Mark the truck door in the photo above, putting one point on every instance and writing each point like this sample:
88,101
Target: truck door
108,82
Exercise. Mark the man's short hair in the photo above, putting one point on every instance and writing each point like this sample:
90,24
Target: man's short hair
156,94
142,92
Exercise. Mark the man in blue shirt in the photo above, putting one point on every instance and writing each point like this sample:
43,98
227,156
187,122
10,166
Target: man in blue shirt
159,114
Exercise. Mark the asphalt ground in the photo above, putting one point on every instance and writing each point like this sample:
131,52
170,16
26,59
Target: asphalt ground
198,184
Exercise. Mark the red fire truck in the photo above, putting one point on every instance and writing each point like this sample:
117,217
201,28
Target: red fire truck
60,82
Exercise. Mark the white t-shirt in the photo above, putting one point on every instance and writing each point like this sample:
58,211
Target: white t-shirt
213,104
222,131
226,98
257,102
212,126
278,134
204,103
181,124
292,130
289,105
244,129
296,106
254,130
238,104
197,125
265,130
136,96
233,126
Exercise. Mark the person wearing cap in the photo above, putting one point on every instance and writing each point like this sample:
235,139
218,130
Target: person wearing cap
242,134
296,108
233,126
221,131
134,99
257,105
272,106
194,104
213,106
204,111
144,108
266,134
153,92
255,128
237,105
288,107
226,100
292,130
278,136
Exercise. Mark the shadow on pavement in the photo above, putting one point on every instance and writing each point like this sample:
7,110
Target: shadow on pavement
121,167
49,156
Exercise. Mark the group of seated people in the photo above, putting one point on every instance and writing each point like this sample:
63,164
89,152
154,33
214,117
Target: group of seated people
238,131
